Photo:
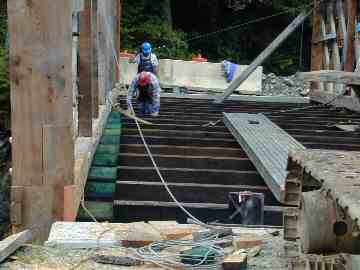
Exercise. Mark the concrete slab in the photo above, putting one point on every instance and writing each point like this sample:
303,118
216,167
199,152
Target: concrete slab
200,76
80,235
267,146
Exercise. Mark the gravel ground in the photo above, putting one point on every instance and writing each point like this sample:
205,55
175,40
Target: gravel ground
287,86
271,256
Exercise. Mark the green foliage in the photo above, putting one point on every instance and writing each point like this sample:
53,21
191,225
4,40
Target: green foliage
169,28
4,69
167,43
146,20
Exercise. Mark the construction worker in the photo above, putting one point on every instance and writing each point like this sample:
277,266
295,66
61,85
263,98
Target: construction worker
147,86
146,60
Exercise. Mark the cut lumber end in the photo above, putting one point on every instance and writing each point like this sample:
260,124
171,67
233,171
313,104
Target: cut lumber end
235,262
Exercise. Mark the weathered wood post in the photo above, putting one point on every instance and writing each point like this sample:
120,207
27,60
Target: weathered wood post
42,118
85,68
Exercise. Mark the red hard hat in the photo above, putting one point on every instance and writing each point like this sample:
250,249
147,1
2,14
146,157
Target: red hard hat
144,78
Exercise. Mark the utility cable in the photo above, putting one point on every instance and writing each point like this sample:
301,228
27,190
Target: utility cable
238,26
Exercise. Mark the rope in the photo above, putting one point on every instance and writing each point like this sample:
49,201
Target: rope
238,26
108,32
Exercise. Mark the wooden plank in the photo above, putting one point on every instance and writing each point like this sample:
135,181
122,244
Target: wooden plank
341,102
70,211
326,62
343,30
336,64
267,146
327,37
16,197
9,245
58,163
262,57
118,33
235,262
335,52
85,64
94,59
326,58
350,78
105,49
317,51
147,191
41,93
351,19
37,211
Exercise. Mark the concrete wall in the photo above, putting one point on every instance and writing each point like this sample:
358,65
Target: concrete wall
194,76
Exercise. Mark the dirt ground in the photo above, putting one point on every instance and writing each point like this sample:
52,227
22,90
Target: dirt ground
272,256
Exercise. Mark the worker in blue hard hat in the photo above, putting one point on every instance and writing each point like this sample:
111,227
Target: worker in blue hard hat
147,60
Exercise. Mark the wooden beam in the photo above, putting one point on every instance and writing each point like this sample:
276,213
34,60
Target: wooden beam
85,63
326,58
343,31
119,14
58,163
41,95
118,34
317,51
351,14
347,102
9,245
334,76
263,56
94,59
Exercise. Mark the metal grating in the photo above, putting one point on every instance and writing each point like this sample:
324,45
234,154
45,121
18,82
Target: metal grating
267,146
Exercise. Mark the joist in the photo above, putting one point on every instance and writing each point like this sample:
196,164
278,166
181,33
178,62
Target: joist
335,76
267,146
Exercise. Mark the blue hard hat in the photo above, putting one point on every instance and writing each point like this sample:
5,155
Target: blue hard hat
146,47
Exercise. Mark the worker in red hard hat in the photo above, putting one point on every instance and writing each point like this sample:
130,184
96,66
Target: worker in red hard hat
147,86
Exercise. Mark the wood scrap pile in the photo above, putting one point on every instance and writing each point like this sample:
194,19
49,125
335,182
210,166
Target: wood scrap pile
236,248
